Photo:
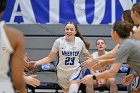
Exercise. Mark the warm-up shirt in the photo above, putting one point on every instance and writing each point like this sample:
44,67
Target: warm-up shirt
129,53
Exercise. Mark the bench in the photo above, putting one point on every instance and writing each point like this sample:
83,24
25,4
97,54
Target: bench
47,75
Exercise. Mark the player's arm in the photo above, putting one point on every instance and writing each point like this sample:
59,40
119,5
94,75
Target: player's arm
31,80
92,61
47,59
17,62
92,71
52,54
104,75
85,51
87,55
106,61
111,54
111,72
122,57
101,63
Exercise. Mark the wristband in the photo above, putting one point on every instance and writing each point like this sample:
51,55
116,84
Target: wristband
94,77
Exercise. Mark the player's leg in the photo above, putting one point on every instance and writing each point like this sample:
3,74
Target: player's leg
74,86
90,87
75,80
65,90
63,81
111,84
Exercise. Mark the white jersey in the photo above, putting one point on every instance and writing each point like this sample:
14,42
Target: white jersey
69,52
6,50
95,55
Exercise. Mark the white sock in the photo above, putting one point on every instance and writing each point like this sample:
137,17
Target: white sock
73,88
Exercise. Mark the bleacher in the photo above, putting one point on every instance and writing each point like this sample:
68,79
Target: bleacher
39,40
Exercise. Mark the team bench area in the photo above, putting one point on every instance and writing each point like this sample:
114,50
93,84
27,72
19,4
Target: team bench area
47,75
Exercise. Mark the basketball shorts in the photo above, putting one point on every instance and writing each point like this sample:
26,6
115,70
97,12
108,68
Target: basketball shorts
64,77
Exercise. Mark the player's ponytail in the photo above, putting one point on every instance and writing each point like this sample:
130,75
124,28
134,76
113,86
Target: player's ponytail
78,34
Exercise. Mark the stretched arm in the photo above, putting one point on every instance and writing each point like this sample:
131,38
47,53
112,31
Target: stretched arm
47,59
104,75
111,72
92,61
110,54
101,63
96,65
106,61
87,55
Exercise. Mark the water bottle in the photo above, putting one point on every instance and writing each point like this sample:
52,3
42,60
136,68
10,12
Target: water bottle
46,67
124,68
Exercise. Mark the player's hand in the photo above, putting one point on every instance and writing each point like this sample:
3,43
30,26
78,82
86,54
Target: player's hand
87,79
128,79
88,63
31,80
31,67
26,59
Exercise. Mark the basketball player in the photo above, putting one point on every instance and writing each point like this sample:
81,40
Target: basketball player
134,80
11,57
109,83
127,53
31,79
126,16
69,49
133,17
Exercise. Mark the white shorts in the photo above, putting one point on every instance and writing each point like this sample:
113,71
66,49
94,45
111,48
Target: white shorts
135,83
64,77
